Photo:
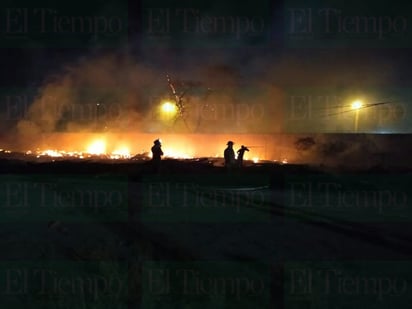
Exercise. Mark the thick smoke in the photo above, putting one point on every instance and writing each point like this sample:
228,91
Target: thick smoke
116,94
71,100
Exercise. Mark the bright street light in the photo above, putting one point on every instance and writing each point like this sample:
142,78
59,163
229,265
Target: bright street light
168,111
169,108
357,104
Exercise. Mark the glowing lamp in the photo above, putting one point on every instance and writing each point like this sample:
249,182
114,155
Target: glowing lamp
169,108
356,104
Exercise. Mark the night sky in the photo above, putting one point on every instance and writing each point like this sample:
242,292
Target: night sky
268,32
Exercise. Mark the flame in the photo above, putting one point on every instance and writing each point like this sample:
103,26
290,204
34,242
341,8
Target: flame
119,145
50,153
55,153
97,147
121,153
171,153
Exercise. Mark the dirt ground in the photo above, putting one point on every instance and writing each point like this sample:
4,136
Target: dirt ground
104,234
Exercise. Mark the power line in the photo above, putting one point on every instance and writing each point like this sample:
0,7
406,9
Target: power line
362,107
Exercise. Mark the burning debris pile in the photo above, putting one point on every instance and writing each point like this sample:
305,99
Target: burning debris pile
70,146
96,149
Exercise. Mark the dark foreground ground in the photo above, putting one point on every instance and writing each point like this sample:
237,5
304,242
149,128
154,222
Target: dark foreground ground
105,234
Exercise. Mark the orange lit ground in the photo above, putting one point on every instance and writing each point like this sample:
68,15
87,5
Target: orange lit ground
126,145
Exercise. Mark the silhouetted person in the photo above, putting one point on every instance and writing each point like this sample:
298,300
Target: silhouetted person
157,154
229,155
240,154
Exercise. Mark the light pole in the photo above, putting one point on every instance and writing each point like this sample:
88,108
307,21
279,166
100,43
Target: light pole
356,105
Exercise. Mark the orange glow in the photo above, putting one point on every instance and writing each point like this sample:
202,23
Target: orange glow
50,153
170,153
97,147
125,145
121,153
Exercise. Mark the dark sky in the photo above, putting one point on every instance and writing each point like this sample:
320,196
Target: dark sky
280,33
342,46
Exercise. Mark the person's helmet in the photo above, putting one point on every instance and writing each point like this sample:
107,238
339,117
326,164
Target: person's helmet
157,142
229,143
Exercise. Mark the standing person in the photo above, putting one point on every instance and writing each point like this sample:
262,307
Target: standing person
157,154
240,154
229,155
